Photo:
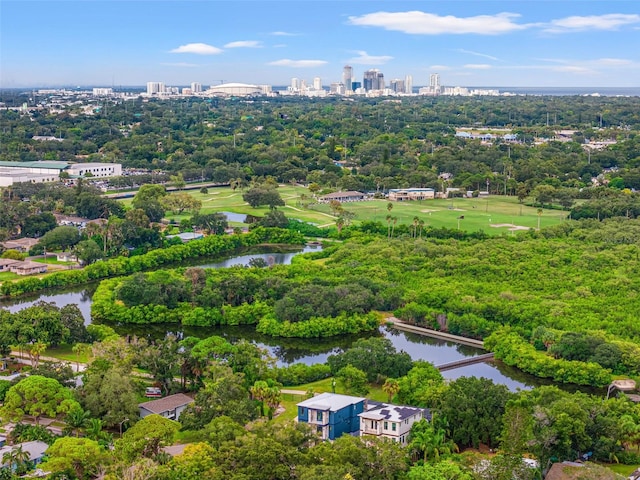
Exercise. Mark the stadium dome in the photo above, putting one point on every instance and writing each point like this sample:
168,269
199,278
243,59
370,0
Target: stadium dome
238,89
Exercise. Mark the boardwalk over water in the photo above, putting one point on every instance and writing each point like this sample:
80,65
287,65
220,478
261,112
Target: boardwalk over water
400,325
465,361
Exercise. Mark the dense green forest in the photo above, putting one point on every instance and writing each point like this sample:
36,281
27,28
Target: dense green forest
384,144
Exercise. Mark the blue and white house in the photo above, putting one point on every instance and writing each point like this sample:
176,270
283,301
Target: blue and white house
332,414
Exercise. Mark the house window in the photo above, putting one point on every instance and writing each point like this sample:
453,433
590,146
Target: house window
393,427
319,416
372,424
301,410
386,426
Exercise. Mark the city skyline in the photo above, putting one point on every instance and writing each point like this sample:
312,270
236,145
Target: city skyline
480,43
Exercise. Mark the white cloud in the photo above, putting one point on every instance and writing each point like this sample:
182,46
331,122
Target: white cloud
180,64
422,23
611,21
284,34
244,44
442,68
477,66
364,58
197,48
286,62
477,54
614,62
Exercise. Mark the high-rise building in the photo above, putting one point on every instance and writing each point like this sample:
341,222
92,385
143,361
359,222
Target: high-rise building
347,77
317,83
434,83
155,88
379,81
196,87
408,84
337,88
295,84
371,80
397,85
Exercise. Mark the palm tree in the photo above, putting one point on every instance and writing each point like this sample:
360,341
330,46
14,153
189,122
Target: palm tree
260,391
416,222
421,224
539,216
395,220
80,349
77,419
391,387
16,458
389,226
272,398
35,350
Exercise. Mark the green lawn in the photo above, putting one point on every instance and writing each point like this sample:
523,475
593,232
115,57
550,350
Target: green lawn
52,260
8,276
65,352
495,215
620,469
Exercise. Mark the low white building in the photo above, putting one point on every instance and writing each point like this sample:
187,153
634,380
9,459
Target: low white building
409,194
94,169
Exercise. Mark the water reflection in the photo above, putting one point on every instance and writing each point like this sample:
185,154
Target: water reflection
80,295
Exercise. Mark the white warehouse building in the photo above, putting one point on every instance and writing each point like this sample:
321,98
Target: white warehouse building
43,172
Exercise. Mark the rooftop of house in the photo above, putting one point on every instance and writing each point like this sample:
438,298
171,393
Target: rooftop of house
394,413
28,265
167,403
330,402
8,261
35,449
22,242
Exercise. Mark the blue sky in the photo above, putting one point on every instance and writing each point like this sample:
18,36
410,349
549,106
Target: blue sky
569,43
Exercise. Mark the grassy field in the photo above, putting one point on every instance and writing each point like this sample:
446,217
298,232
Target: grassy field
494,215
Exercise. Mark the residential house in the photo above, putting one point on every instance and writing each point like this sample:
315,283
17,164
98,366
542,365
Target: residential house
169,407
35,449
187,236
5,264
344,197
23,245
28,268
332,414
391,421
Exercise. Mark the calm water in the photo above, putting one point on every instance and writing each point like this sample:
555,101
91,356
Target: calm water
288,351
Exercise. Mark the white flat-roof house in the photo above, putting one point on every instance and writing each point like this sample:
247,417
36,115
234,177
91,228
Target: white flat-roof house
409,194
391,421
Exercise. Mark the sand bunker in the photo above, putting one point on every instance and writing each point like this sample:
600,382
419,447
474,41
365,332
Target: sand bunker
426,210
510,226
